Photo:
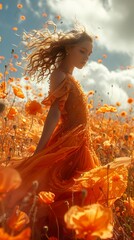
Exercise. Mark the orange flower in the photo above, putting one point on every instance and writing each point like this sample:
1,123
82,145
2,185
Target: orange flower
23,18
9,179
12,113
1,6
33,107
2,87
123,114
27,87
26,78
99,60
91,92
90,221
2,57
46,197
18,220
13,69
11,79
40,94
16,56
25,234
118,104
44,14
130,100
106,108
18,92
58,17
131,136
19,5
129,85
14,28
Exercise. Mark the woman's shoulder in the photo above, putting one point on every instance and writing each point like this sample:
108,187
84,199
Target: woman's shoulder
56,78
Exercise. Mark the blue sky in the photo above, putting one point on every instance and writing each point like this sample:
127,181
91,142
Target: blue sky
111,20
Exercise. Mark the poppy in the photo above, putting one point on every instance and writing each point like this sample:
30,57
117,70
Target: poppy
25,234
46,197
18,220
9,179
12,113
18,92
33,107
90,221
19,5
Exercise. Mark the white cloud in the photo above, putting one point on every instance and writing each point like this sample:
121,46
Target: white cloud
110,86
111,20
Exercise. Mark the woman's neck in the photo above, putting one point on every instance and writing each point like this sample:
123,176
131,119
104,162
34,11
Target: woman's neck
65,67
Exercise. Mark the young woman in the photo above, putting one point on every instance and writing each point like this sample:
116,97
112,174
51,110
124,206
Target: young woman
65,148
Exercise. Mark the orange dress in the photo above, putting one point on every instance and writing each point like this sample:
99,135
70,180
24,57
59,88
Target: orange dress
69,151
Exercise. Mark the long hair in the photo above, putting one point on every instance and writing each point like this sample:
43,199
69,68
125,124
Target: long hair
45,50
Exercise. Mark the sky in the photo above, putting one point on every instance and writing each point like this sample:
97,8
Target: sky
110,69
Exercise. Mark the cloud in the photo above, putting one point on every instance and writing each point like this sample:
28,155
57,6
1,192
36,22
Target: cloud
110,86
111,20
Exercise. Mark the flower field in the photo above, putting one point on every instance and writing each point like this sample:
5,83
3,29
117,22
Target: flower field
21,123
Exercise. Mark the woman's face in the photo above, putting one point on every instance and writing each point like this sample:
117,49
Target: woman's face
79,54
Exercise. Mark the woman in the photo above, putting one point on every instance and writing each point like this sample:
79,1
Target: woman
65,147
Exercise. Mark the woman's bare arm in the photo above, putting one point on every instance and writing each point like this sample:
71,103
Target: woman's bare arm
49,126
53,114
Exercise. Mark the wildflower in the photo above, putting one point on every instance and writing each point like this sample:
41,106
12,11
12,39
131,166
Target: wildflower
99,60
46,197
1,6
130,100
44,14
12,113
123,114
14,28
19,5
25,234
91,92
18,92
90,221
118,104
16,56
129,85
18,220
33,107
106,108
9,179
26,78
2,58
58,17
23,18
27,87
13,69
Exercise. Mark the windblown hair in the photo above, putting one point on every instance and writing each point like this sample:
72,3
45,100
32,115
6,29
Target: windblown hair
45,50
